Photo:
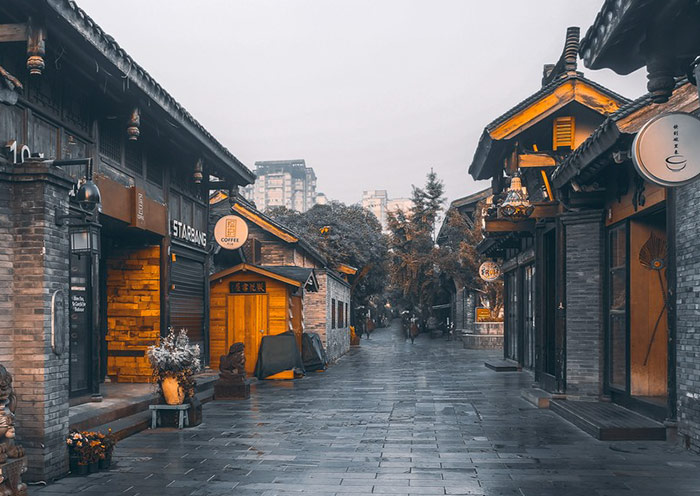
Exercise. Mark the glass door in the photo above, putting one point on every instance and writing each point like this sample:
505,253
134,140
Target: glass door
529,316
617,308
512,320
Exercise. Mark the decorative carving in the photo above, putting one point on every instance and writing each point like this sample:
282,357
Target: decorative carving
12,463
639,199
198,174
232,384
36,49
232,365
134,124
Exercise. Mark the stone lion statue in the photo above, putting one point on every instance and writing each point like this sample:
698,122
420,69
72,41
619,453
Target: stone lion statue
232,365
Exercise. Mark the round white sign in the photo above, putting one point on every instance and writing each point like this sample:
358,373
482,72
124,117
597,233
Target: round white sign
489,271
231,232
666,150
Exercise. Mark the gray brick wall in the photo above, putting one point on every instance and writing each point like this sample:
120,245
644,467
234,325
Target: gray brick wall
688,314
584,304
33,264
318,314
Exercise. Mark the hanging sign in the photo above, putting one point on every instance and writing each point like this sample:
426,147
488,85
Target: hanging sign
483,314
489,271
666,150
231,232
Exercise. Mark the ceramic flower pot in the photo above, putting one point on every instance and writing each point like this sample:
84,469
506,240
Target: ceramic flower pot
82,469
93,467
105,463
172,391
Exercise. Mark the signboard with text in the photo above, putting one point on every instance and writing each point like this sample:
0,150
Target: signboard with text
666,150
489,271
247,287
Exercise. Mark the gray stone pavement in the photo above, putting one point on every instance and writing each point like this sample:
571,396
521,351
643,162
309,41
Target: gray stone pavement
389,418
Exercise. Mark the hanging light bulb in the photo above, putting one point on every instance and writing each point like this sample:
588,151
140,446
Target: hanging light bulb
516,205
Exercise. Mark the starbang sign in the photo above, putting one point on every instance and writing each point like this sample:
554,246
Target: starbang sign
666,150
180,230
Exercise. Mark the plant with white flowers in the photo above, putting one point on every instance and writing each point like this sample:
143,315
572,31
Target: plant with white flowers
174,357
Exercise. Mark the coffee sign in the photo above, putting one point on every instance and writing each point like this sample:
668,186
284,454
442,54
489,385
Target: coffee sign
666,150
489,271
231,232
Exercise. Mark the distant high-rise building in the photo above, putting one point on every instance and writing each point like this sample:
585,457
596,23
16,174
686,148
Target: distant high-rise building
322,199
283,183
378,202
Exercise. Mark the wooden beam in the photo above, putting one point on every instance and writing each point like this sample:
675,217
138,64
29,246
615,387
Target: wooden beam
545,210
13,32
526,160
502,226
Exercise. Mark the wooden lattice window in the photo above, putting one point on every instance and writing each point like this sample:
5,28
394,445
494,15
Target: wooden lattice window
563,132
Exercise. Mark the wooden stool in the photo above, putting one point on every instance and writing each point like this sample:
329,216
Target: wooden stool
183,417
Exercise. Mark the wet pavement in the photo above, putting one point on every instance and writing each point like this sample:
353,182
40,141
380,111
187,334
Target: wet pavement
389,418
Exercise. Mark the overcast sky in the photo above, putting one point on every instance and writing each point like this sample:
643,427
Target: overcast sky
371,93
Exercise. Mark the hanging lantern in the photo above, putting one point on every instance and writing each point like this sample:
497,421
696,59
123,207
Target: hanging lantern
132,130
516,205
198,173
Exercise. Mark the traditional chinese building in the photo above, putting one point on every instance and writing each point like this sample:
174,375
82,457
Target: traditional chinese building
663,37
274,248
103,217
529,228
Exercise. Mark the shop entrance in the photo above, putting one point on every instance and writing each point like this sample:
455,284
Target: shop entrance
637,314
247,316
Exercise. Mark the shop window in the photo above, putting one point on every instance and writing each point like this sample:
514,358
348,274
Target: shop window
340,315
110,141
333,313
133,160
154,171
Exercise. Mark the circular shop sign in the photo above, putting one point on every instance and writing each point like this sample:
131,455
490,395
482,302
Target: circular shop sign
231,232
489,271
666,150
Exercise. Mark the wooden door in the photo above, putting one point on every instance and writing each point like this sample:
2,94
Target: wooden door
247,316
296,320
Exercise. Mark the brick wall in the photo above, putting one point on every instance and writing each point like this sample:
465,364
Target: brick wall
318,314
34,264
688,314
584,304
133,311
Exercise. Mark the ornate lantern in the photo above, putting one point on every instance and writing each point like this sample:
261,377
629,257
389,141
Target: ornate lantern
516,205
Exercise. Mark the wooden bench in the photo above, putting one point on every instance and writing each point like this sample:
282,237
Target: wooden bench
183,419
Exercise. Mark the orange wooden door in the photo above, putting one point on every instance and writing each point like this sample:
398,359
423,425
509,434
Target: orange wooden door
247,323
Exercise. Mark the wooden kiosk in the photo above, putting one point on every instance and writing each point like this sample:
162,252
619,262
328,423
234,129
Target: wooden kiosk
248,302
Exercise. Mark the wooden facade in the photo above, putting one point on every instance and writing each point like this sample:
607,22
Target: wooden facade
237,315
271,244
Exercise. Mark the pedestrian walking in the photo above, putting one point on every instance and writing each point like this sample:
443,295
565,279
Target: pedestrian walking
369,326
414,329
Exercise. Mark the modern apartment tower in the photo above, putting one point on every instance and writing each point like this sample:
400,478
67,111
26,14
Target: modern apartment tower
282,183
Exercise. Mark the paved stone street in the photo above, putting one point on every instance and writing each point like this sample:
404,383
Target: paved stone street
389,418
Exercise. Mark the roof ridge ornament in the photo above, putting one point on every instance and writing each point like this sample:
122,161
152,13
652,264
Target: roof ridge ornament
568,61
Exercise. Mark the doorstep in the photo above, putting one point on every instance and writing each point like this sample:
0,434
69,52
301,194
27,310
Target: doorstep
124,407
538,397
608,421
503,365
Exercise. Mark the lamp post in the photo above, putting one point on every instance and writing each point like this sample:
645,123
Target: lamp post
85,248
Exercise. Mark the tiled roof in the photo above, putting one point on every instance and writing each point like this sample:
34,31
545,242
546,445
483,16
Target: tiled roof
93,33
602,140
545,90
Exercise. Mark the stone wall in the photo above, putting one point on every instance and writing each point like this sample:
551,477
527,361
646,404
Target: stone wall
34,263
584,304
338,339
688,314
133,311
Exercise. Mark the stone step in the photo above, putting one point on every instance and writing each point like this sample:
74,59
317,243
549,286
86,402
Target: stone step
92,415
126,426
502,365
538,397
608,421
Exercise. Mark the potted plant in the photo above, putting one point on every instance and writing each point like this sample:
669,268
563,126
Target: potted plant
107,441
174,362
78,448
